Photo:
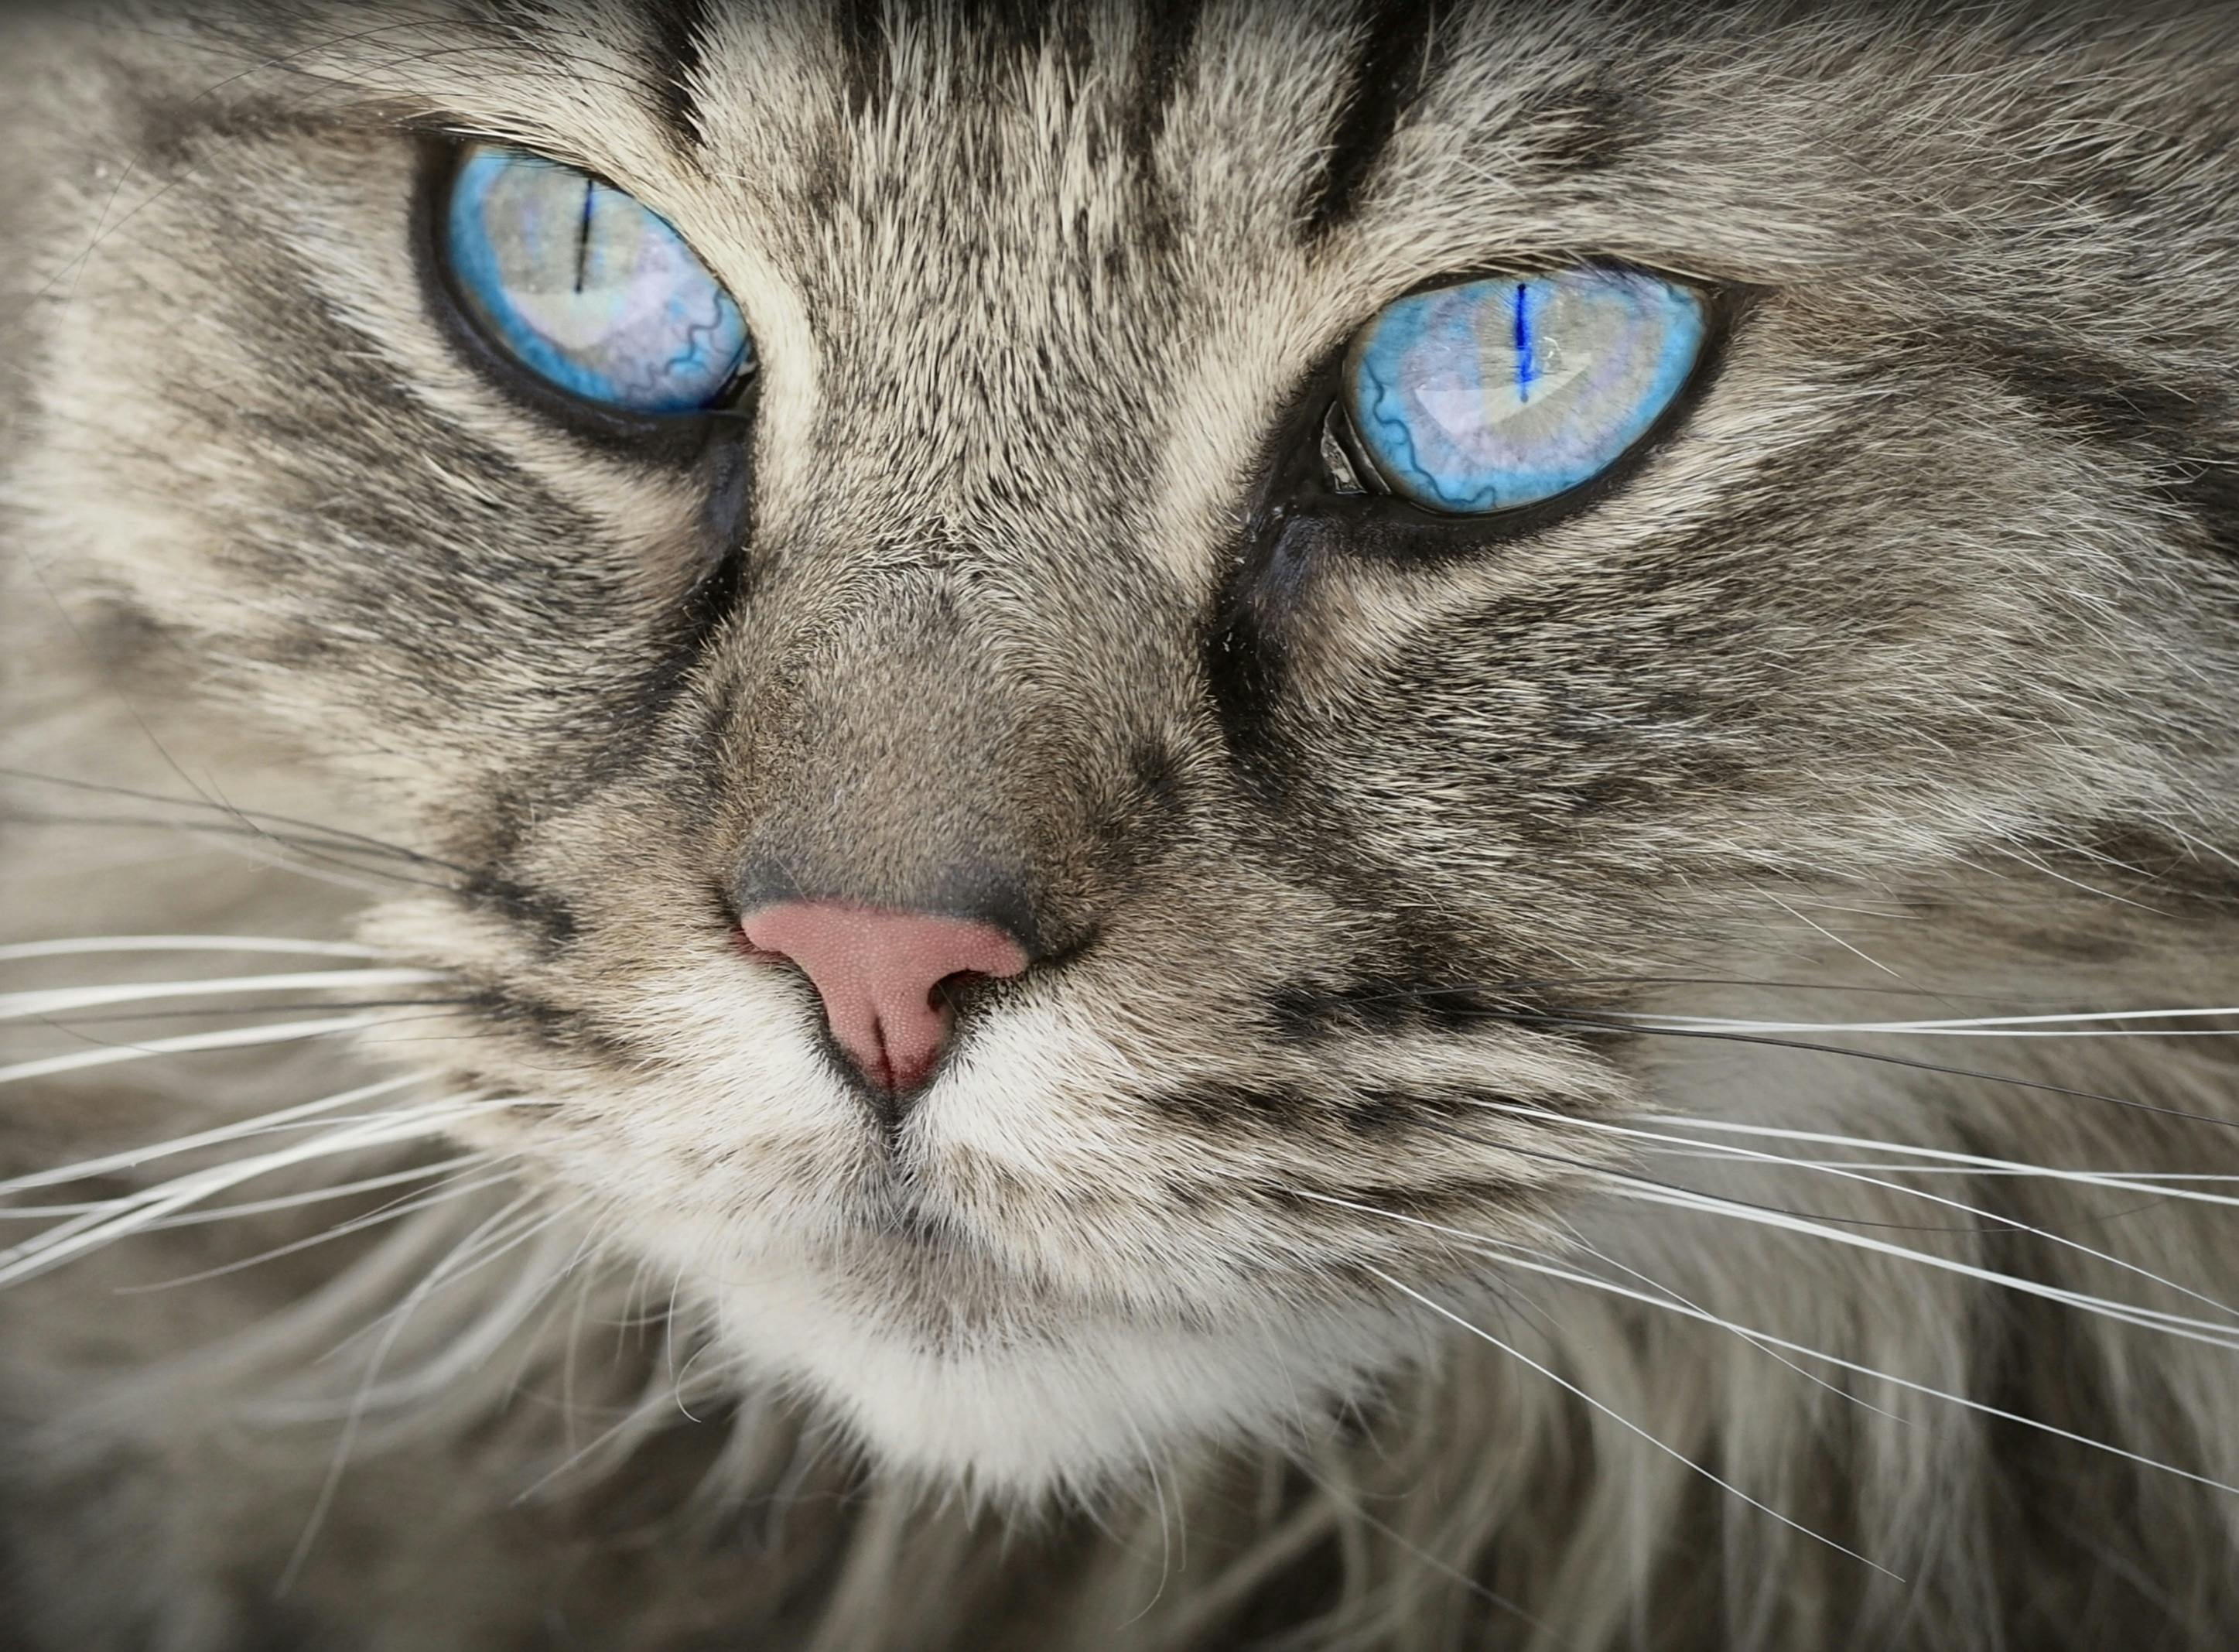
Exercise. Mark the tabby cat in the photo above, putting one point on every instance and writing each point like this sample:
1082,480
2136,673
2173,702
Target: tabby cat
861,826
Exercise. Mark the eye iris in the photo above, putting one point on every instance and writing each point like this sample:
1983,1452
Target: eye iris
586,287
1495,394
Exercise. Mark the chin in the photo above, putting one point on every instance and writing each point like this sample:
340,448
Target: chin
1022,1407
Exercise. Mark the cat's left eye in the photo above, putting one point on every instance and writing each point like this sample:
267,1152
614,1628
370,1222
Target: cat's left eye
1488,395
588,288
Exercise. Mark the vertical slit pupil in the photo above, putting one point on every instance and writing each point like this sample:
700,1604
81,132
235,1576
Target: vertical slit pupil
1526,369
584,233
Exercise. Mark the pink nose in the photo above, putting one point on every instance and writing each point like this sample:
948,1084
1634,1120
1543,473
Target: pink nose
879,973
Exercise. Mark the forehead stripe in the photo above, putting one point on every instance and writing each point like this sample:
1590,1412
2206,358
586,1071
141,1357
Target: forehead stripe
1395,42
679,35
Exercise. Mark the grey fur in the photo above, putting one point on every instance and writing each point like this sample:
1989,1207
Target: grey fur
1908,664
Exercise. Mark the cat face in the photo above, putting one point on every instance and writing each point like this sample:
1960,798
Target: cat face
1009,587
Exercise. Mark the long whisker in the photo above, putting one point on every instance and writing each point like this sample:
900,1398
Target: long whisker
454,1167
458,1186
61,1000
2053,1026
1757,1156
1759,1343
312,849
1621,1420
187,1044
394,1324
133,1158
247,817
137,1211
1512,1256
75,1025
2170,1324
77,945
2152,1183
1594,1024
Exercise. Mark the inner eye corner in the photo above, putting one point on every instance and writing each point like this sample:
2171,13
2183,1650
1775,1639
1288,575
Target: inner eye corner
1348,473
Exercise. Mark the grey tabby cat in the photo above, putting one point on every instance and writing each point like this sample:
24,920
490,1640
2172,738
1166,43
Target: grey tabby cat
949,911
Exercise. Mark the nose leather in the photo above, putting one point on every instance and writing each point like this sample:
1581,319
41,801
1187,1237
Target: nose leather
878,972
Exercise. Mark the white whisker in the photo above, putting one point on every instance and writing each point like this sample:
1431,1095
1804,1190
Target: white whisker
2177,1325
77,946
2150,1182
137,1211
58,1000
392,1325
396,1210
2080,1025
191,1043
2010,1223
1621,1420
323,1194
1509,1255
493,1326
133,1158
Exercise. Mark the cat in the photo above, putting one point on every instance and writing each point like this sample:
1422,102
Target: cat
977,957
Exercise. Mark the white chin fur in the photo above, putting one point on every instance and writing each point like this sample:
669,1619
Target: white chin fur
1079,1408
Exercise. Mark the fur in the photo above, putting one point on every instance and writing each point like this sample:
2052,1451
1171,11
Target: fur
1371,1227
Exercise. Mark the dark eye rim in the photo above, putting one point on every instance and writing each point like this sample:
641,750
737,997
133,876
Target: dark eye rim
1384,523
673,438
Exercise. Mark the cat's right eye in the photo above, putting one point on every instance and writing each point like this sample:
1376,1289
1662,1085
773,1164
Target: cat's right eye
586,288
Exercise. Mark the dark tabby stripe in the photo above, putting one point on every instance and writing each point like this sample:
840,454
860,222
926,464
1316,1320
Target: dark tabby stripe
2110,405
680,34
1169,32
862,31
1391,73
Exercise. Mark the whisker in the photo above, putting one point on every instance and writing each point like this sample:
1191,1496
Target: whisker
132,1158
247,817
1939,1026
393,1323
1755,1156
324,1194
2145,1181
1592,1023
1621,1420
1512,1256
49,1212
2168,1323
395,1210
187,1044
60,1000
312,848
77,945
1763,1346
136,1211
71,1025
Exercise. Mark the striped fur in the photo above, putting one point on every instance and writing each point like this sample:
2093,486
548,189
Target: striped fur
1205,1300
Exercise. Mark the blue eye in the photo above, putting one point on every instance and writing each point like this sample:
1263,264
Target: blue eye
1495,394
587,288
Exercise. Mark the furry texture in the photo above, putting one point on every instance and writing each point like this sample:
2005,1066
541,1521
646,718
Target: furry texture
1337,1242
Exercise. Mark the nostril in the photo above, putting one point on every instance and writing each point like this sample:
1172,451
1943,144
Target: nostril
944,991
